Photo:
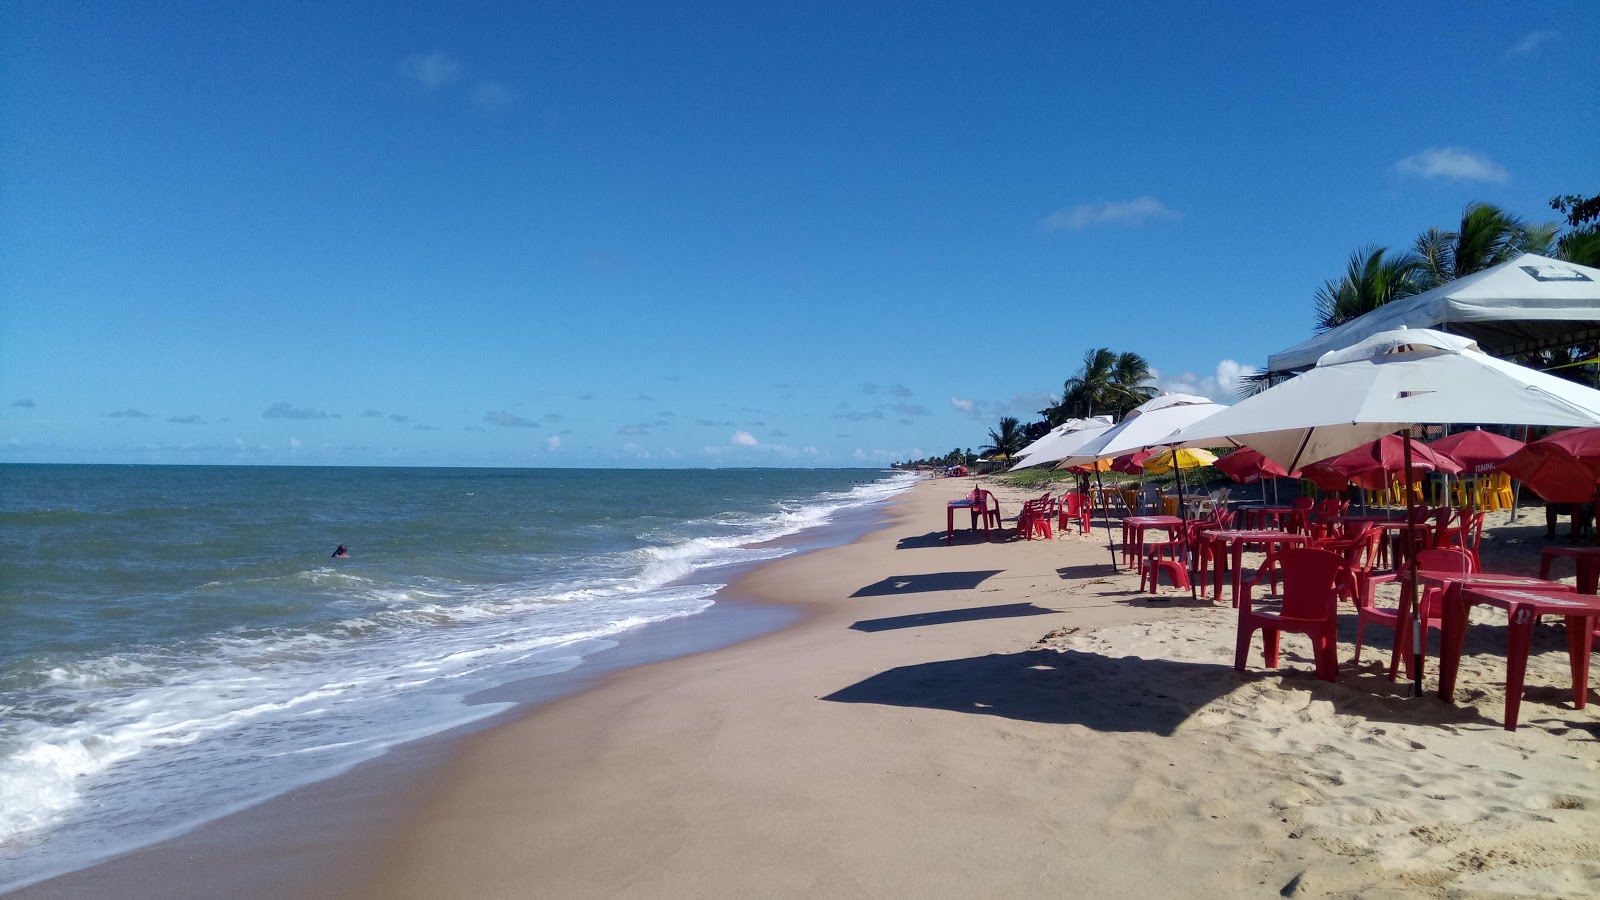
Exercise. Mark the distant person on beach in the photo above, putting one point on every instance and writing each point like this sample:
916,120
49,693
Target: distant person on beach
341,552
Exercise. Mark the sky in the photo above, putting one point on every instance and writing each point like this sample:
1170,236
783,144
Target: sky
712,234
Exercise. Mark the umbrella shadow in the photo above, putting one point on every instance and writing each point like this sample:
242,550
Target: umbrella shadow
952,616
1068,687
959,536
934,581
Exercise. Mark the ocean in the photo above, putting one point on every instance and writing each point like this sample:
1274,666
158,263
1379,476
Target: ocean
177,642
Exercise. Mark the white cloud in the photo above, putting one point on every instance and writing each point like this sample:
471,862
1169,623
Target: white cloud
553,442
1530,43
966,406
1137,211
432,70
295,443
744,439
1221,386
1453,163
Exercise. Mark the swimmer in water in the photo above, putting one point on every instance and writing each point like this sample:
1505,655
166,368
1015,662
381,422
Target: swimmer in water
341,552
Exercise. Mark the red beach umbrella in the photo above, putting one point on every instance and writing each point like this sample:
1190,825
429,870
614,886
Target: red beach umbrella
1248,466
1131,463
1562,468
1325,477
1371,465
1476,451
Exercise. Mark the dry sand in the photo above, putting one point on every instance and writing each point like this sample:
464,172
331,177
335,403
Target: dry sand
1012,718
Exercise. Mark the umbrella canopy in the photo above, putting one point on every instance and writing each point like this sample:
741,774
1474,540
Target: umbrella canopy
1147,426
1099,465
1062,440
1131,463
1325,476
1562,468
1476,451
1372,465
1185,458
1388,381
1247,466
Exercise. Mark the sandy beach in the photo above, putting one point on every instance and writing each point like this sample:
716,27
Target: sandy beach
991,718
1012,718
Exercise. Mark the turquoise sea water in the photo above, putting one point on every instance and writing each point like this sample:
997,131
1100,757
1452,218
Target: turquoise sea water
173,636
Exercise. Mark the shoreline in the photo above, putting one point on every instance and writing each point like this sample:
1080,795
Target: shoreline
990,718
315,839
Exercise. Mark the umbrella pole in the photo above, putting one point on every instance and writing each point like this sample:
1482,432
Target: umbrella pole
1109,545
1418,623
1183,516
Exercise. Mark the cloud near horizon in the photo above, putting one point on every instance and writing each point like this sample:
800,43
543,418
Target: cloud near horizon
1453,163
282,410
507,419
1138,211
24,403
743,439
1222,385
127,414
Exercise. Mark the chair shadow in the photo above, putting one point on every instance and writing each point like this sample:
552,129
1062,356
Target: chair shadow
951,616
1059,688
1091,570
933,581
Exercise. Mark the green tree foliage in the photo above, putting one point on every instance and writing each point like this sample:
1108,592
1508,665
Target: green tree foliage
1487,236
1109,383
1372,278
1581,243
1007,441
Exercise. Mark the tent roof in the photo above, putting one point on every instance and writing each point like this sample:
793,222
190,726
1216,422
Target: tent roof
1518,306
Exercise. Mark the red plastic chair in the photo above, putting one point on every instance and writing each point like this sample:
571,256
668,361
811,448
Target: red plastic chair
989,509
1312,580
1165,556
1034,520
1466,534
1300,519
1075,507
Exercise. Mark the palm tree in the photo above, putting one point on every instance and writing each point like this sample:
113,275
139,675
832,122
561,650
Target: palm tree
1370,280
1128,377
1487,236
1093,388
1007,441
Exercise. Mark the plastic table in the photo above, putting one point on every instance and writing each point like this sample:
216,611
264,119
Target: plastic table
1236,539
1523,608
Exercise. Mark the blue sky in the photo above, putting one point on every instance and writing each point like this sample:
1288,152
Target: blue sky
685,234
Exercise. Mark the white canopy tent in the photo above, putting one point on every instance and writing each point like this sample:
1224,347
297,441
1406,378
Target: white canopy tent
1526,304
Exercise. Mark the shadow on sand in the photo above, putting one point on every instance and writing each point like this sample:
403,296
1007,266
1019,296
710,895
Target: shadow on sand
1060,688
961,536
934,581
951,616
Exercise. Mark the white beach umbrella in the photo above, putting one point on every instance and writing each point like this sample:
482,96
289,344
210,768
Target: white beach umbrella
1062,440
1146,426
1150,421
1389,381
1385,383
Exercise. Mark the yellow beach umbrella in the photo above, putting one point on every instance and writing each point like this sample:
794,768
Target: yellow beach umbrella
1187,458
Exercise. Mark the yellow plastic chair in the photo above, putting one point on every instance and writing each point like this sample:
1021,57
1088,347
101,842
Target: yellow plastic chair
1500,488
